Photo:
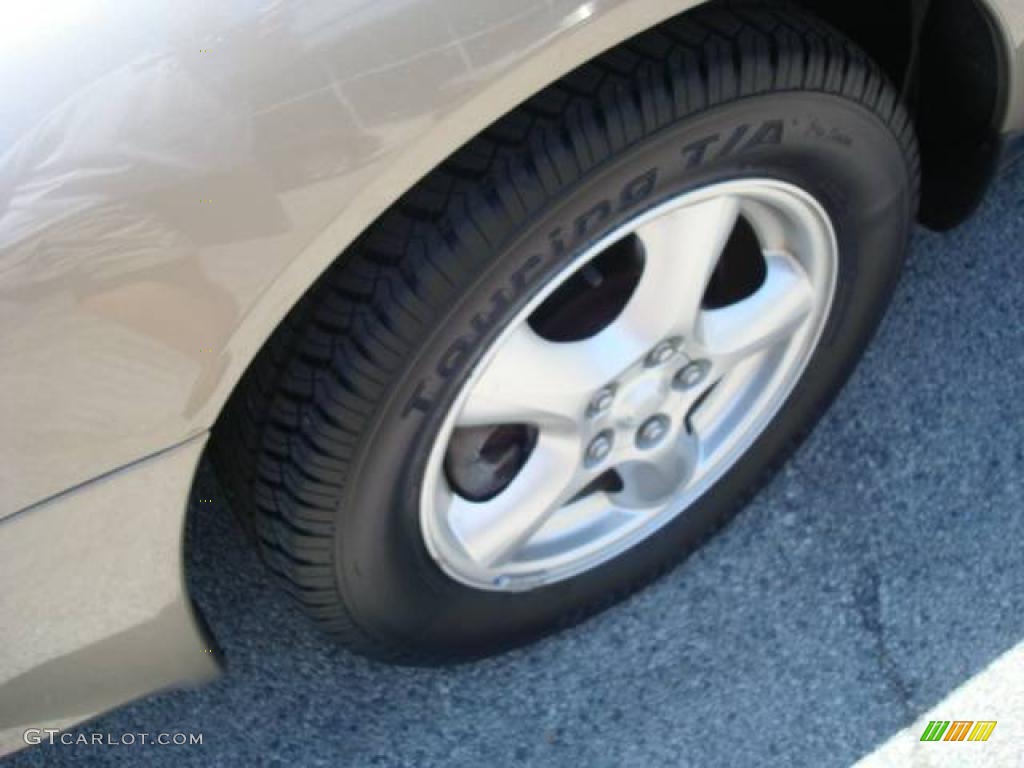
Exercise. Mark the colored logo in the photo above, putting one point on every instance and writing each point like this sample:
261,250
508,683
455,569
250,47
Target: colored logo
959,730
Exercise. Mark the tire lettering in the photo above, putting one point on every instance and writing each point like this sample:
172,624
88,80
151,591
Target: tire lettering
638,189
597,215
740,140
419,401
698,152
453,359
557,244
482,322
770,132
525,275
730,146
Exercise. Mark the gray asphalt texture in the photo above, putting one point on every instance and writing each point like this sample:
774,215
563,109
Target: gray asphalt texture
881,569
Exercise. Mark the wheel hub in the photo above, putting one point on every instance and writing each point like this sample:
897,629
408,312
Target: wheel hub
642,397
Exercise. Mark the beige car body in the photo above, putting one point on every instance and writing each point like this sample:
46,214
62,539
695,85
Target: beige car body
173,176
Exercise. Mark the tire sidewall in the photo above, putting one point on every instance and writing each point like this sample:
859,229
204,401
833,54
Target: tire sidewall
840,152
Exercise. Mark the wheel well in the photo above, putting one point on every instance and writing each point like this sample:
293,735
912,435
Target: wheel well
948,59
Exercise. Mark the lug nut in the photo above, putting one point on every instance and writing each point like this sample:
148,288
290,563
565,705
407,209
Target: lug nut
652,431
662,352
602,401
599,448
691,375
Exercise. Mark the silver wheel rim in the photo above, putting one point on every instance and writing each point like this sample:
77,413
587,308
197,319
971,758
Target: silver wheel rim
668,396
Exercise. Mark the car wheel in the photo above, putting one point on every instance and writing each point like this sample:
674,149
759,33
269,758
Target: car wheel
574,350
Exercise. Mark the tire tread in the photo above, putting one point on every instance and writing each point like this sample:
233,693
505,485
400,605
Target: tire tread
285,445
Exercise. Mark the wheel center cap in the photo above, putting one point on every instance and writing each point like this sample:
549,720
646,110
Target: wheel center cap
639,399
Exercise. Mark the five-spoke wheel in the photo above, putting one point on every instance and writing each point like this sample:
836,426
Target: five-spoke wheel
558,455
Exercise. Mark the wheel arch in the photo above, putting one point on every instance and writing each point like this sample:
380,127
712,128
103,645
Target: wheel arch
952,61
912,43
591,28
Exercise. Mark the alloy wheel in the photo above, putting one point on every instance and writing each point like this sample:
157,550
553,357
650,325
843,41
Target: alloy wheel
565,448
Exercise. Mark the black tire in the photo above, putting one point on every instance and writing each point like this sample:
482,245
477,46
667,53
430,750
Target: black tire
323,444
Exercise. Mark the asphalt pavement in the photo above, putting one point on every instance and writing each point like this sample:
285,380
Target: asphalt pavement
876,583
